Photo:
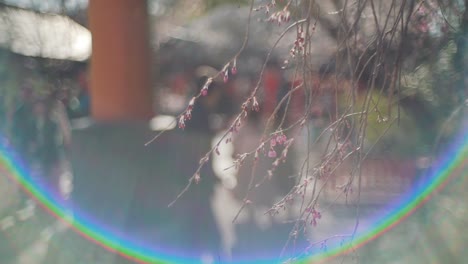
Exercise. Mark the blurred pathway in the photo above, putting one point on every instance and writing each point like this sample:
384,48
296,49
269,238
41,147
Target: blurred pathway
37,251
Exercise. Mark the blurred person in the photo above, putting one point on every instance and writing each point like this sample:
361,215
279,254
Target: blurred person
206,236
41,137
189,226
49,142
261,235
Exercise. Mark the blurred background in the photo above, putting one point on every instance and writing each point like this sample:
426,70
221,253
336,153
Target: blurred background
84,85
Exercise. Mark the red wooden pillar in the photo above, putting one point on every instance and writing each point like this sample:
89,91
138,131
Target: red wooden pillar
120,64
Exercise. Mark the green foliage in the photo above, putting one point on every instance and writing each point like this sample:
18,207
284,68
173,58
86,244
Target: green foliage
210,4
432,92
389,131
434,82
429,96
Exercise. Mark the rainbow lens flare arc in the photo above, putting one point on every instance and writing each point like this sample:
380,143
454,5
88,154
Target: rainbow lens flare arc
453,163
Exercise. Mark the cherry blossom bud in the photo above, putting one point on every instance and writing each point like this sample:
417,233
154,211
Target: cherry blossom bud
273,142
421,10
284,138
204,160
313,222
226,76
281,139
234,70
188,114
244,105
208,82
204,91
255,105
182,122
287,16
318,215
191,103
197,178
272,153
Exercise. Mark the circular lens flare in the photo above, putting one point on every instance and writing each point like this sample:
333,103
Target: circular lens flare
453,163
